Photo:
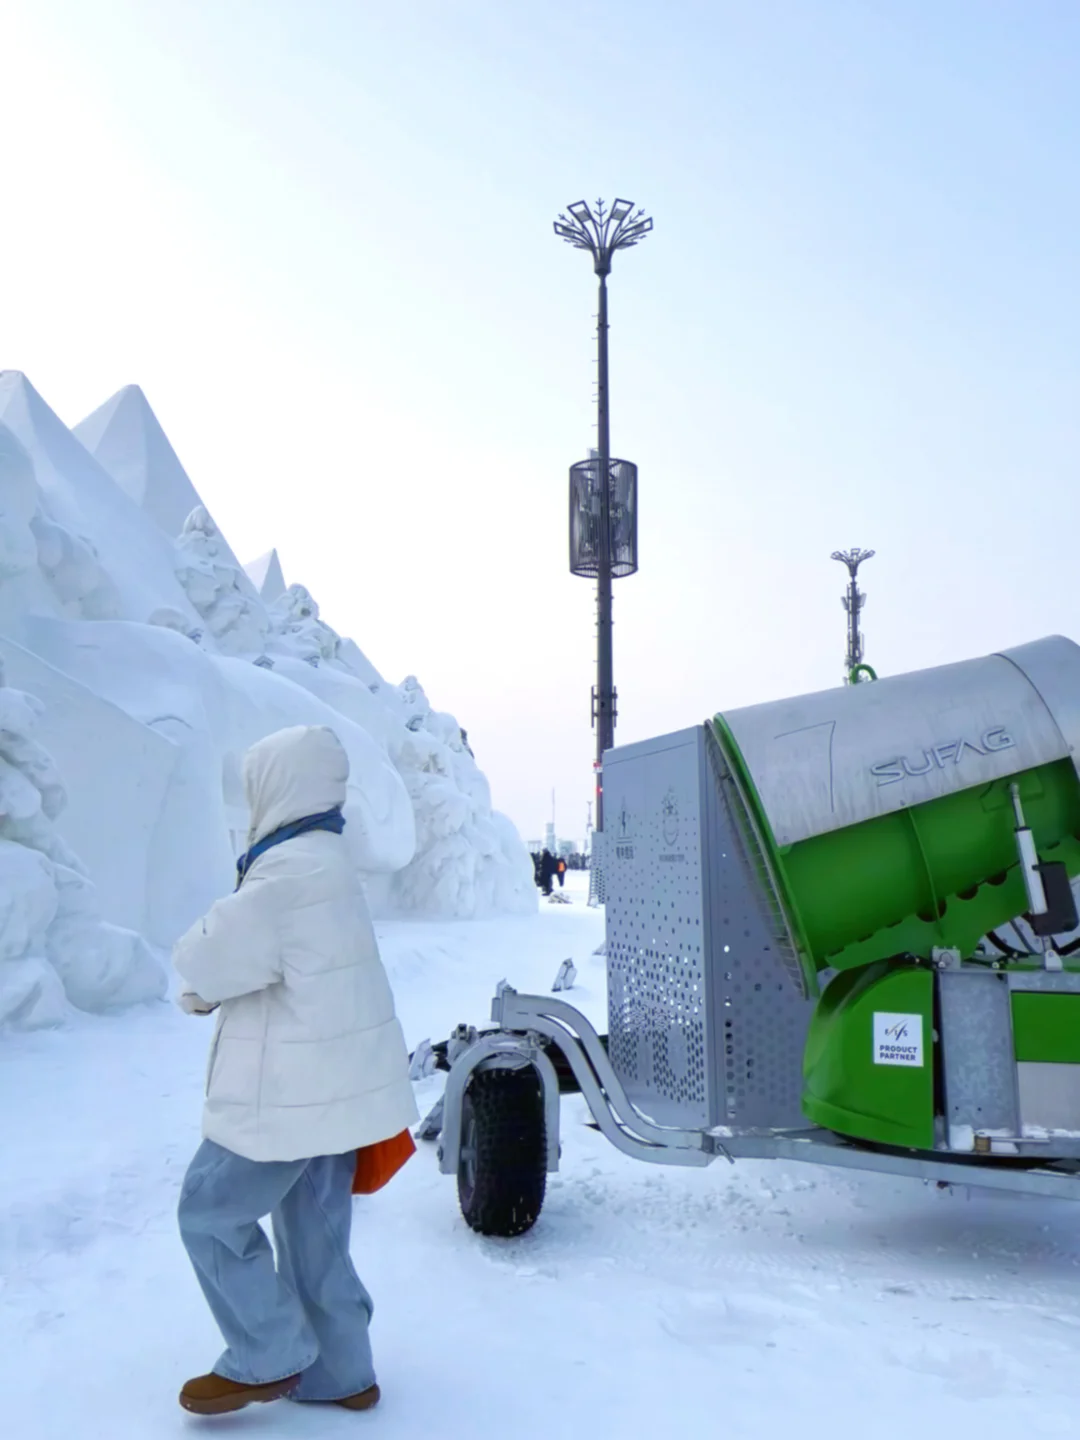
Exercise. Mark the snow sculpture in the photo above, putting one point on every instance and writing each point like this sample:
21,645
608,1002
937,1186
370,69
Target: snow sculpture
151,728
73,570
55,950
218,588
18,507
298,630
53,568
469,859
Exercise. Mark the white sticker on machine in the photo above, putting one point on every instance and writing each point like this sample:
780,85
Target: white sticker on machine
898,1039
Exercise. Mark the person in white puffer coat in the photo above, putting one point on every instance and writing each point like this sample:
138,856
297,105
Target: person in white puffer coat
308,1064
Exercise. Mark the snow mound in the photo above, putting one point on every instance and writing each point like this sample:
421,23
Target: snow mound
149,661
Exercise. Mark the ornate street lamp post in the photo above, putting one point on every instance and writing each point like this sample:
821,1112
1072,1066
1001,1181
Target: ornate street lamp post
603,491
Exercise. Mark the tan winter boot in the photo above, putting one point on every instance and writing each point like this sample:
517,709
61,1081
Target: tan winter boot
215,1395
366,1400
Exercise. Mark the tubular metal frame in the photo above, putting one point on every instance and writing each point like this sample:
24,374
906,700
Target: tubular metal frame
528,1024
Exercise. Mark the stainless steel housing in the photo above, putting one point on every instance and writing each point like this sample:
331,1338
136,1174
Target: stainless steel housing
706,1025
824,761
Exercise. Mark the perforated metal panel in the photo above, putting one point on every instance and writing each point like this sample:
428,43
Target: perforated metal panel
761,879
597,892
759,1008
705,1027
655,939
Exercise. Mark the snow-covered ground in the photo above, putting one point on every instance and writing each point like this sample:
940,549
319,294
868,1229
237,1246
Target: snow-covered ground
756,1300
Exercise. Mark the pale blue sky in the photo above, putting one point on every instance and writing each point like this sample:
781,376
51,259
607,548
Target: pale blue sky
319,235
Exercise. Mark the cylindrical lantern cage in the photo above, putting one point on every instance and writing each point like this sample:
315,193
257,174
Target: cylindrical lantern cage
585,497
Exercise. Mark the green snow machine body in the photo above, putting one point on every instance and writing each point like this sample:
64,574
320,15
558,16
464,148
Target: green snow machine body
891,826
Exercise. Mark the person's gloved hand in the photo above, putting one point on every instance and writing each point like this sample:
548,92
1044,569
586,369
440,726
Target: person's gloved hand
193,1004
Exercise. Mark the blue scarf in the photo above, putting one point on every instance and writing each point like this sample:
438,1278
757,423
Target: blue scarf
332,820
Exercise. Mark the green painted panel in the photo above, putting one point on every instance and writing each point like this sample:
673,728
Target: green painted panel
1046,1028
868,1067
942,873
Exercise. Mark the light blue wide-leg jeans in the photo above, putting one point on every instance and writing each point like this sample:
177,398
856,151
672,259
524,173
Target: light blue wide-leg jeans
310,1313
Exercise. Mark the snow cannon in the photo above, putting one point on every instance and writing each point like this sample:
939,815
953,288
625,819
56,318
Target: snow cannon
884,817
839,929
891,826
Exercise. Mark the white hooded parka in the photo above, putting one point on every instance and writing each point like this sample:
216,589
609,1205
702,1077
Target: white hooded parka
308,1057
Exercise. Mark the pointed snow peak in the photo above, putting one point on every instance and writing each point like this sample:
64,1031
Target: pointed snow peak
267,576
129,402
125,436
31,418
18,395
85,499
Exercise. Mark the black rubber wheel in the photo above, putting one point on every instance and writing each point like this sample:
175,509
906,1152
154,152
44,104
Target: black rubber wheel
502,1171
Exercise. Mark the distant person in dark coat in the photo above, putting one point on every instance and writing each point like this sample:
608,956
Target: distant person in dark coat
560,870
547,871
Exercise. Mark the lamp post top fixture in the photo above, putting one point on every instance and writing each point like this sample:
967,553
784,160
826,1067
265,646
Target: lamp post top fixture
852,558
603,230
